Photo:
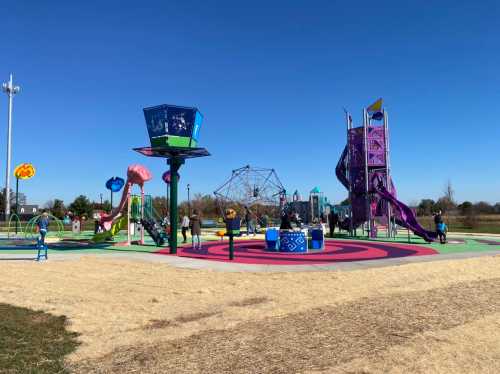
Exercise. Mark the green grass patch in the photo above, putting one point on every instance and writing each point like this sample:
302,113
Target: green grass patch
484,224
33,341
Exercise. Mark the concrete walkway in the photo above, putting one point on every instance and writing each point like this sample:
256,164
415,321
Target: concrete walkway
192,263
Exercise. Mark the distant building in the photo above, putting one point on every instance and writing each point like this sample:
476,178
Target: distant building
312,209
27,211
21,198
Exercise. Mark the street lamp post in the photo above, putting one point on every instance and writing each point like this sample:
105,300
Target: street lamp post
10,90
189,201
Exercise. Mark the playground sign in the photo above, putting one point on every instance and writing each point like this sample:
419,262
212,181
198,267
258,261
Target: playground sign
174,126
115,184
24,171
167,177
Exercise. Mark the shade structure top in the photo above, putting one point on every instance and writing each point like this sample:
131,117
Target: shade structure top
173,152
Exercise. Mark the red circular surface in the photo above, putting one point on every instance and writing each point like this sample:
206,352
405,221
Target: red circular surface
253,252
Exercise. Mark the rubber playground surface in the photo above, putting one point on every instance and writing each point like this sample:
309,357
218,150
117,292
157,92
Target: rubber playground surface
254,252
339,250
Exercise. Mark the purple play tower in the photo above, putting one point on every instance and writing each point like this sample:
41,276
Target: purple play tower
364,170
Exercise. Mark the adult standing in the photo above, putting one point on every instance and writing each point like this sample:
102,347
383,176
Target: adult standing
285,220
184,227
195,222
249,221
333,219
438,219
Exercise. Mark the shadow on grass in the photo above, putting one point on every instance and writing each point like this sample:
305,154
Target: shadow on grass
18,259
33,341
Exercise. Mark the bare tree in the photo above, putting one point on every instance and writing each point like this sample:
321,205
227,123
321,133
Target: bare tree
449,192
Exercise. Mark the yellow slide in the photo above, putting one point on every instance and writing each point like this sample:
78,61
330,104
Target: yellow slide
118,225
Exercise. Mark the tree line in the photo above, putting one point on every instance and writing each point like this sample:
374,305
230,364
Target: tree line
467,212
428,206
83,206
205,204
447,204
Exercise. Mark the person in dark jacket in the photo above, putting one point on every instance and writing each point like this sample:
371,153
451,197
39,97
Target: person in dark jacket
437,218
286,221
195,223
249,221
333,219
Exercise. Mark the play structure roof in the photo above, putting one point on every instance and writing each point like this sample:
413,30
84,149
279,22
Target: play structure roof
170,152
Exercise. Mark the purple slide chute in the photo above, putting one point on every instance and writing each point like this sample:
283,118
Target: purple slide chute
406,217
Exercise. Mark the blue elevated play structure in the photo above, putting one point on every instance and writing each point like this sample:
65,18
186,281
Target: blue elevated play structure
295,241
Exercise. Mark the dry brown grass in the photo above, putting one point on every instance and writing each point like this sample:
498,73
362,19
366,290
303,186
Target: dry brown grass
152,318
318,339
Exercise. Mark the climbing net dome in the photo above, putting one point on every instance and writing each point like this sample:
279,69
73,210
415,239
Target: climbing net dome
251,186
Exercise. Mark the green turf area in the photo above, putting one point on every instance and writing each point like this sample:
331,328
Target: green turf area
106,247
32,341
469,245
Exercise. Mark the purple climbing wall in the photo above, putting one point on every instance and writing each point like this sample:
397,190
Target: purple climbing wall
376,146
356,172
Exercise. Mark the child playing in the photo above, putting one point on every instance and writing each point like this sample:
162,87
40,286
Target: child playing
441,231
43,227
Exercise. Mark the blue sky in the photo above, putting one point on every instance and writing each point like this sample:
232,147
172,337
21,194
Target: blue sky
270,78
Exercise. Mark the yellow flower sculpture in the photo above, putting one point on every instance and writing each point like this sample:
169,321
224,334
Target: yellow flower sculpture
24,171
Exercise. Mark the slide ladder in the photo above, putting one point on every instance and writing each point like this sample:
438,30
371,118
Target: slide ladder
155,230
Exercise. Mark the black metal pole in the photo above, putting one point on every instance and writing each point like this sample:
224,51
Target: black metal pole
189,201
168,201
231,247
175,164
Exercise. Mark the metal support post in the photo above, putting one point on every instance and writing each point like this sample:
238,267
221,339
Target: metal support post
175,164
10,90
348,168
367,195
387,172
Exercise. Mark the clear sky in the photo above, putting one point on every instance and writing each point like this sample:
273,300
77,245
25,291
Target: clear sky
270,78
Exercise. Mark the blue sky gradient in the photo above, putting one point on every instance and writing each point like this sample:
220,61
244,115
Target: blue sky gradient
270,77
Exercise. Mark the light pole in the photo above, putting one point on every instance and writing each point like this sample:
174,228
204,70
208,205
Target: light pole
10,90
189,201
